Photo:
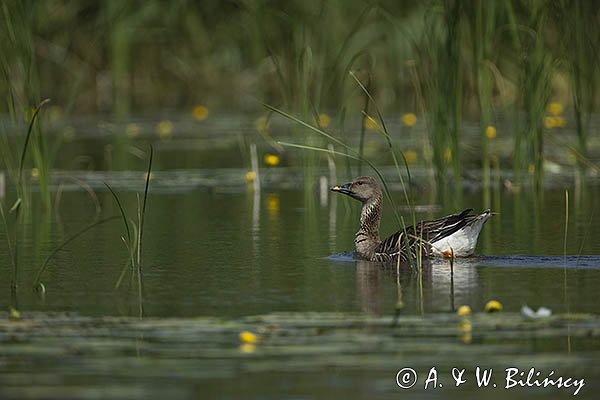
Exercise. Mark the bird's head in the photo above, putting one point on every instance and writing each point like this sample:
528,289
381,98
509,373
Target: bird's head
362,188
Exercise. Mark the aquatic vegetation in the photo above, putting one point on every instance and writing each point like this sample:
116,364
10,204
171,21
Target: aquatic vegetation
554,108
554,122
12,245
411,156
370,123
134,240
351,153
463,311
250,176
37,282
445,61
469,91
262,124
491,132
164,129
493,306
323,120
272,160
21,203
248,337
409,119
200,113
14,314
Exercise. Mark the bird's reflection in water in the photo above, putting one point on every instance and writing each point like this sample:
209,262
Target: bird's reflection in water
384,288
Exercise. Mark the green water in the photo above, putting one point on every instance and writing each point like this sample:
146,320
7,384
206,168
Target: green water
214,256
220,254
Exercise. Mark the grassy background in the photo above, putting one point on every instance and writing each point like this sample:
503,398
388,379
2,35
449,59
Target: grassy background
446,61
136,56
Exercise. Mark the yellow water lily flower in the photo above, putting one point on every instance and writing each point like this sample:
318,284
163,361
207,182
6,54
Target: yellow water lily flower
409,119
323,120
248,337
554,108
490,132
493,306
165,129
250,176
463,311
550,122
200,113
271,160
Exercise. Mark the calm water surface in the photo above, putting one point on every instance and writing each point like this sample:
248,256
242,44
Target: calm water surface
230,254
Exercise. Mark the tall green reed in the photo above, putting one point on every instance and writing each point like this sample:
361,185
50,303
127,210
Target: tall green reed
18,205
12,245
439,80
19,77
311,60
534,80
133,240
580,45
484,29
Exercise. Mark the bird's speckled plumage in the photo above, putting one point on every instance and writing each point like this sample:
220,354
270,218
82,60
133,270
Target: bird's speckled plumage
455,233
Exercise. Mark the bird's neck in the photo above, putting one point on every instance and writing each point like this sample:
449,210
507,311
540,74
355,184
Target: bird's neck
367,237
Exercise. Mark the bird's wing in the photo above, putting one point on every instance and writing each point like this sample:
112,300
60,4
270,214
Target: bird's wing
427,232
443,227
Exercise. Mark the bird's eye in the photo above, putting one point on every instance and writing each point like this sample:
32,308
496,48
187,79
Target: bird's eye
359,183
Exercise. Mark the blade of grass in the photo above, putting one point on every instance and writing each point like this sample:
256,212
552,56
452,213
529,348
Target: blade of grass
384,132
143,209
37,281
28,136
122,211
12,251
350,150
305,147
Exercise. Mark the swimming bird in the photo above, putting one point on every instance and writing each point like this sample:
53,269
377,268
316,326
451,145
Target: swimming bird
454,234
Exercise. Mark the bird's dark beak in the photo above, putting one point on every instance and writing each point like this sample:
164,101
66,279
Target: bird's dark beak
345,189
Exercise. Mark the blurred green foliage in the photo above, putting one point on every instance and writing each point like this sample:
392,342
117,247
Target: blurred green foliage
138,56
444,60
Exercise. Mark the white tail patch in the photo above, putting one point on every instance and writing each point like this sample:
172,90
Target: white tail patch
463,241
